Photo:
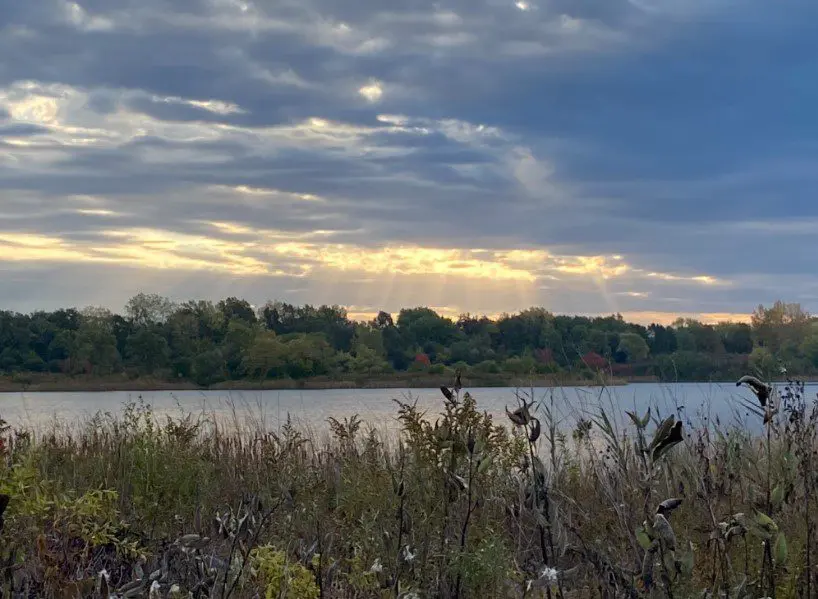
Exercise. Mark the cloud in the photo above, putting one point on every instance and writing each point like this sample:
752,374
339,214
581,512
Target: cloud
645,157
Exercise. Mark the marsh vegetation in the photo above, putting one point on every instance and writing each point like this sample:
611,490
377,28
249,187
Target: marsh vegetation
456,506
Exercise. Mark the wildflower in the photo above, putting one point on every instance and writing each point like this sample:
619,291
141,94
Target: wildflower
377,567
154,593
408,556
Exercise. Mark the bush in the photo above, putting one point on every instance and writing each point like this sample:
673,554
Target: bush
487,367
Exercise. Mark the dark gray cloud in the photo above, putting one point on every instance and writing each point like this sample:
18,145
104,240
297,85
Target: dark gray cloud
676,135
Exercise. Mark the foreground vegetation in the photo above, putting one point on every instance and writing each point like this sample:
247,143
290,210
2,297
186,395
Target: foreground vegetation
456,506
203,344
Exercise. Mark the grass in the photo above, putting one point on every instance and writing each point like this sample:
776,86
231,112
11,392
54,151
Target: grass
457,506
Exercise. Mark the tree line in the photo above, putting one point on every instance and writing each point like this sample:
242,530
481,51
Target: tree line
207,343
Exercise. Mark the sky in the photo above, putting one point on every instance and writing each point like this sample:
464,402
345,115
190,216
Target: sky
655,158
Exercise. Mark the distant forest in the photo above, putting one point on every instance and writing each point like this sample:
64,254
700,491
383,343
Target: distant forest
208,343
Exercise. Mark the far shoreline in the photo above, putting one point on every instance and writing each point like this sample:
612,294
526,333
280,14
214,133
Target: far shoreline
90,384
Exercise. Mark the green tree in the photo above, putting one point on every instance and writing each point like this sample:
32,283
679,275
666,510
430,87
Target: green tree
265,357
209,367
763,362
148,308
661,340
633,346
147,350
94,348
423,326
780,323
809,349
736,337
233,308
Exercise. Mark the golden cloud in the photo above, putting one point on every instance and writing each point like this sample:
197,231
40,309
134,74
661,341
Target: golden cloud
242,250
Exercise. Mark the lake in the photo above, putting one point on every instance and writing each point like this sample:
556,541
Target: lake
310,409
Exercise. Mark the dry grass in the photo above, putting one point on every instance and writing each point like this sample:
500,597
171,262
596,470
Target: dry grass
459,506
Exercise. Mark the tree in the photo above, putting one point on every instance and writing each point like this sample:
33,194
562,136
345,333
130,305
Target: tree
780,323
265,357
148,308
633,346
809,348
534,328
239,336
423,326
661,340
208,367
235,309
693,335
594,361
370,337
146,350
383,321
736,337
94,348
366,360
762,362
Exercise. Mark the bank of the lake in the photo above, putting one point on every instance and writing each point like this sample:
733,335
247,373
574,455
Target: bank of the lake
407,380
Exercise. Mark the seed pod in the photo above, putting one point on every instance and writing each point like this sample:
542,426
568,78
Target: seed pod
521,416
664,531
535,431
668,505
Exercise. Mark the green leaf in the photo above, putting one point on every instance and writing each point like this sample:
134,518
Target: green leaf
765,522
778,496
760,526
646,419
780,550
485,464
643,539
635,419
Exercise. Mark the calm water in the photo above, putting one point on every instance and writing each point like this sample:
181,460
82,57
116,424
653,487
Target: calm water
310,409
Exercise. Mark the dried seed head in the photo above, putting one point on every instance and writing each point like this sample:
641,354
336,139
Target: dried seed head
668,505
534,434
664,531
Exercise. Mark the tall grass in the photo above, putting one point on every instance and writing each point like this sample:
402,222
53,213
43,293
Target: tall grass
456,506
